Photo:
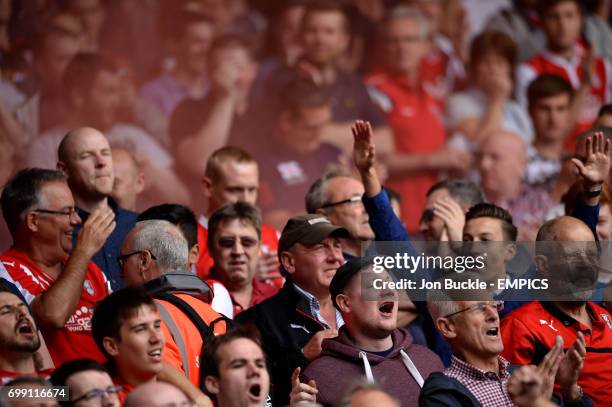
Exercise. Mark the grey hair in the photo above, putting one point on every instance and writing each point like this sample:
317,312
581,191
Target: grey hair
440,304
166,243
402,12
446,301
358,385
317,196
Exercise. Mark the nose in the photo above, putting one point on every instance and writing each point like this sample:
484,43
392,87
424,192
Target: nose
237,248
75,219
491,313
253,370
334,255
156,336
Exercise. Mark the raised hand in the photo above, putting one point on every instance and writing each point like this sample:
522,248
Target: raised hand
596,167
570,367
302,392
364,151
96,229
525,388
453,217
547,369
267,266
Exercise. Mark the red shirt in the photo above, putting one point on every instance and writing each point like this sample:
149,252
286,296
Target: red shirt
74,340
6,376
269,243
417,127
261,291
572,71
126,389
529,332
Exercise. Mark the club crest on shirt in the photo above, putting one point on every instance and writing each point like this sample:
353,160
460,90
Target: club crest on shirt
88,287
606,318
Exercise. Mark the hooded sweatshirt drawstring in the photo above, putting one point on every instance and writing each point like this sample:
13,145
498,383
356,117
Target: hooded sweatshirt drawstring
366,366
412,369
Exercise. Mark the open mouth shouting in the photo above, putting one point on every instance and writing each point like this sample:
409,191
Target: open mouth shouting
493,332
386,309
255,392
25,327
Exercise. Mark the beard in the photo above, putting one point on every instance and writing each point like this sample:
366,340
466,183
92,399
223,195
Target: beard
25,346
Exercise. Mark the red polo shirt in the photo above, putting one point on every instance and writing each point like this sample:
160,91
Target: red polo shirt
529,333
418,127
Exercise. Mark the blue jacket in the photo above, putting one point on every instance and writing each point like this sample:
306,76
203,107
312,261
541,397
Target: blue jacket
106,258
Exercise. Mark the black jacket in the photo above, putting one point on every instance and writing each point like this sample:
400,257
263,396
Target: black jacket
286,325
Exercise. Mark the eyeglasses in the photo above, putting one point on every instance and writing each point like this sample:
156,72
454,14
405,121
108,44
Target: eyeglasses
481,306
121,259
229,242
69,212
352,199
98,393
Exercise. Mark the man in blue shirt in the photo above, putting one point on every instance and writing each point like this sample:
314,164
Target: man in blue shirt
84,155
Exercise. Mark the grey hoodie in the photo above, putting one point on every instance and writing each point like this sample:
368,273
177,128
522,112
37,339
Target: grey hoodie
340,363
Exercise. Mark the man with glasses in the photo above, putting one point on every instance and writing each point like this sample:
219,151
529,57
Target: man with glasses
568,256
234,236
56,278
478,376
89,383
294,322
153,249
232,175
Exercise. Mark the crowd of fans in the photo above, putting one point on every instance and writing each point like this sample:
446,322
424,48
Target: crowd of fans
193,192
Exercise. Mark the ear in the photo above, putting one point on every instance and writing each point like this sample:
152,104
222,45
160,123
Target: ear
541,262
321,211
446,328
140,183
212,384
111,346
288,262
207,185
146,266
31,222
510,252
194,254
61,166
343,303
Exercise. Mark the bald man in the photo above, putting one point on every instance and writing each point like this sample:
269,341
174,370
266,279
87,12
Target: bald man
566,254
129,179
84,155
156,394
502,163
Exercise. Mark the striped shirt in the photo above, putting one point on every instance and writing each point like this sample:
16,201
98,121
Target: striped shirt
315,309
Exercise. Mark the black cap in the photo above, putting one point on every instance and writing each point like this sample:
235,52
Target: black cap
345,274
308,229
